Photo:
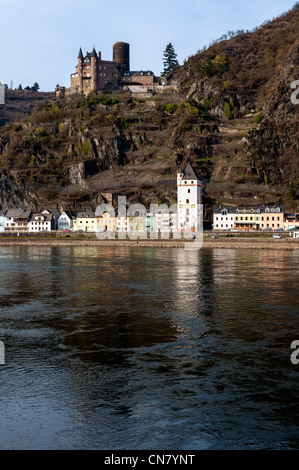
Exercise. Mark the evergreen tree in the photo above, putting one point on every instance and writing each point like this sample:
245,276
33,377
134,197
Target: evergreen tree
35,87
169,59
20,87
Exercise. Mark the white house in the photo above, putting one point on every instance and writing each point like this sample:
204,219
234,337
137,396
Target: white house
2,221
188,197
65,221
16,220
165,220
223,218
41,222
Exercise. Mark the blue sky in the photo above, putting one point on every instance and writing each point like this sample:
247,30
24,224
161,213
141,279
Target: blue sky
40,39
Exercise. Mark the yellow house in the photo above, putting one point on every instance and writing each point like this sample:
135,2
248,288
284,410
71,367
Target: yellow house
272,218
247,218
106,223
85,222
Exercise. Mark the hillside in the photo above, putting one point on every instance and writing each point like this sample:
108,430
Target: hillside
229,112
20,104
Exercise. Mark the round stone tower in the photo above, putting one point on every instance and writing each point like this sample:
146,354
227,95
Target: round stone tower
121,55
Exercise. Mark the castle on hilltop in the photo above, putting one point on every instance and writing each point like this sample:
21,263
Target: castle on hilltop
94,73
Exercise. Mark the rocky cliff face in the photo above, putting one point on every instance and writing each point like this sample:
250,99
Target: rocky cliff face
229,113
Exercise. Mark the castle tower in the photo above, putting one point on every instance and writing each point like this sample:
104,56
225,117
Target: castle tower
80,70
94,64
189,203
121,55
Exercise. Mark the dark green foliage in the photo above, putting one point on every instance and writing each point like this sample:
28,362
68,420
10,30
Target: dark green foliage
35,87
169,59
171,108
206,68
227,111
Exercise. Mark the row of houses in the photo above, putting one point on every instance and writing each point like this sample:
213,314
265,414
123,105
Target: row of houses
224,218
23,220
186,216
252,218
20,220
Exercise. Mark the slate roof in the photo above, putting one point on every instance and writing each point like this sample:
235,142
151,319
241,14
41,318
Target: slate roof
137,73
18,213
46,217
80,55
189,173
85,215
219,209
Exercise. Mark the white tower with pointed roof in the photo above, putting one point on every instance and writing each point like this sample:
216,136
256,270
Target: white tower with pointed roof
189,203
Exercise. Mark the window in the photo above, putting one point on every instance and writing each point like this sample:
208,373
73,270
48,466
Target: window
187,201
188,191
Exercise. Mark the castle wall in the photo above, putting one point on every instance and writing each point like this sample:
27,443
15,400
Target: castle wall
93,73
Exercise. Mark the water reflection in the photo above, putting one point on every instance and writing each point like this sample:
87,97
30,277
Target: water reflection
148,348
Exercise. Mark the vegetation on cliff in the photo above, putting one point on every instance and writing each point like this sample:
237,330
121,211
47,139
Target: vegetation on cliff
229,112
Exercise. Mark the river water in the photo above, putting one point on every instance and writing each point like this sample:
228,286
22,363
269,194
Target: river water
144,348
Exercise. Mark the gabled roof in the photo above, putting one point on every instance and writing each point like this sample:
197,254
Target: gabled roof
70,214
45,217
189,173
18,213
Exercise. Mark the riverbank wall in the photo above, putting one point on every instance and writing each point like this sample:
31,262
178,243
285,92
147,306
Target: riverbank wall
219,243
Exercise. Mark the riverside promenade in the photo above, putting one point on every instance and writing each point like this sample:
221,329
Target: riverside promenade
235,242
